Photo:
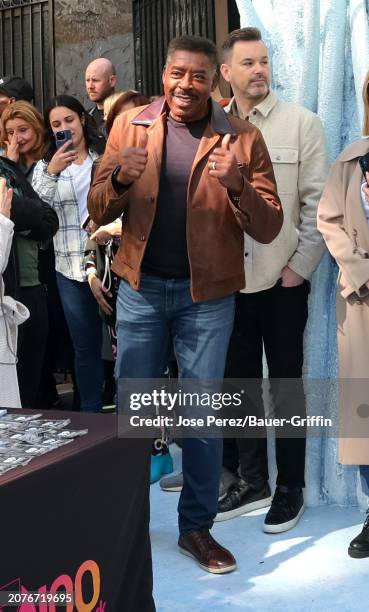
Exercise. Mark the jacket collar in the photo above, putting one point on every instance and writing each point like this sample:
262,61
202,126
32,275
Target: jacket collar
355,150
93,154
264,108
218,117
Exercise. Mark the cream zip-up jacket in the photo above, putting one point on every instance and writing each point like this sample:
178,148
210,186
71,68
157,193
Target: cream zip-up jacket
296,143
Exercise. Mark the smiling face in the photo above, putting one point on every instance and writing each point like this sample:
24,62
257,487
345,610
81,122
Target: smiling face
247,69
188,79
24,133
63,118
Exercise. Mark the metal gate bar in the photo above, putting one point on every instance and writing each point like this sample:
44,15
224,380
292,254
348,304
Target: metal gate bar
155,22
27,44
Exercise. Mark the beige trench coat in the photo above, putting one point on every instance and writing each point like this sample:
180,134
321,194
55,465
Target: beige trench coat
342,221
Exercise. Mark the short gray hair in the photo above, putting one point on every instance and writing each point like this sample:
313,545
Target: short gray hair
194,44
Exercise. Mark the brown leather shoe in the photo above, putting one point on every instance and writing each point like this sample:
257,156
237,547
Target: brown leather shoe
210,555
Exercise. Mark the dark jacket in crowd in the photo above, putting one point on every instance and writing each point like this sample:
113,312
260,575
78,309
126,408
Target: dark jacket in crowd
98,116
29,214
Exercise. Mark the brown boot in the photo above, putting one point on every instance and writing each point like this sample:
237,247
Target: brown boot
207,552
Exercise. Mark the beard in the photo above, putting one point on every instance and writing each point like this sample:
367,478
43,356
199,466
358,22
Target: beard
99,98
104,95
257,92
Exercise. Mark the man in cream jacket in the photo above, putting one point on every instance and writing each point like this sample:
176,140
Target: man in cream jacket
272,310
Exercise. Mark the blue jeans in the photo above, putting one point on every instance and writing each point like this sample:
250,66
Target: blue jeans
364,477
85,327
146,320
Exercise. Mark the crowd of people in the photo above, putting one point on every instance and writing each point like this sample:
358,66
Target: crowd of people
182,231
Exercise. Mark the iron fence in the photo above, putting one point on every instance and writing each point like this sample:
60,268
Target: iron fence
155,23
27,44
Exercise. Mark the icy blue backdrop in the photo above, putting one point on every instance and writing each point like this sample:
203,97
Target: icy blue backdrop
320,55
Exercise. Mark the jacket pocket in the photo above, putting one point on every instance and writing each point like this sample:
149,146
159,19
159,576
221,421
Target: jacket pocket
346,291
285,166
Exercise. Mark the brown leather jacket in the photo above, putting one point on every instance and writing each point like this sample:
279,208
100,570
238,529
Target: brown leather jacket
215,225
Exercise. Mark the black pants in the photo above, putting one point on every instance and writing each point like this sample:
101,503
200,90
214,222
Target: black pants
276,318
32,338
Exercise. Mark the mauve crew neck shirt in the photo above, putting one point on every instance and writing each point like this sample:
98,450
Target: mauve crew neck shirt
166,253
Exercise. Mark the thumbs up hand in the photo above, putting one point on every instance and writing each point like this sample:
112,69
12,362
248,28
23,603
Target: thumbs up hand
133,161
143,140
223,166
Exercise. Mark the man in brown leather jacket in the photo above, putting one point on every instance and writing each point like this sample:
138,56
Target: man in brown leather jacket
190,181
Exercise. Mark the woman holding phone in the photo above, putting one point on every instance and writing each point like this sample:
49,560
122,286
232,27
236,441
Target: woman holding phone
62,178
343,219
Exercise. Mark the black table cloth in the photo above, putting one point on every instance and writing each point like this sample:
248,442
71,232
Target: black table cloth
78,518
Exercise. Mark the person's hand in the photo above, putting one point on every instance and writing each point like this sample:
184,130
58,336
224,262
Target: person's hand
101,236
12,148
106,232
61,159
99,292
6,196
223,166
92,227
133,162
291,278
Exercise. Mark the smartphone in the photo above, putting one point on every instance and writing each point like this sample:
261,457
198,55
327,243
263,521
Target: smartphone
85,222
62,137
364,165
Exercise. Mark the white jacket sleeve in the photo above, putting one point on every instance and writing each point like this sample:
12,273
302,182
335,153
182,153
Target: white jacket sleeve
6,235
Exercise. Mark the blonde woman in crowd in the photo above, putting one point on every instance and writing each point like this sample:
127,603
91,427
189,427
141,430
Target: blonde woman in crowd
103,244
109,101
101,237
23,127
343,219
125,101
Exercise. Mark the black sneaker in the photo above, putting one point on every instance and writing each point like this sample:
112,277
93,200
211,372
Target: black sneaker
286,509
359,547
242,498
